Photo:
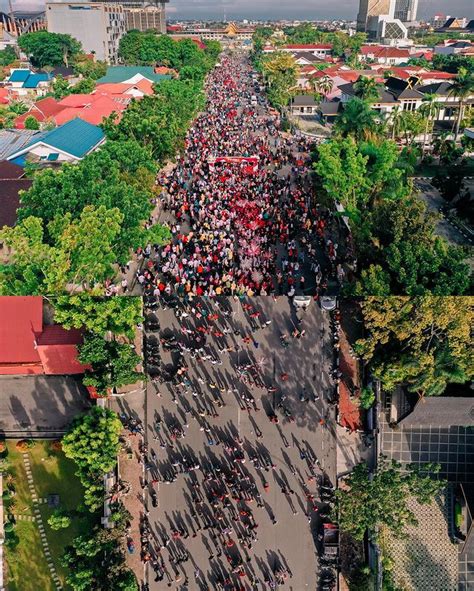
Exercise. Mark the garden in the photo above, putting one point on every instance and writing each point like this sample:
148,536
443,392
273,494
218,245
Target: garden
60,503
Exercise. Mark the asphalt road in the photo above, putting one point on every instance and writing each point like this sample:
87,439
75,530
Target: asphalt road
292,541
40,405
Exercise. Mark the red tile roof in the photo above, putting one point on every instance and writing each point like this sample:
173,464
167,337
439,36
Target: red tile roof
42,110
25,348
21,319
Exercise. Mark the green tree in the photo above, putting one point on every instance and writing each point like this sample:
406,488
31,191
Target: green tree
367,502
430,107
90,69
84,86
49,49
119,316
59,520
423,342
60,87
31,122
461,88
7,56
359,120
367,89
113,363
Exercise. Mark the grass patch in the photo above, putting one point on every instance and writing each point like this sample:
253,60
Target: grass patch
52,473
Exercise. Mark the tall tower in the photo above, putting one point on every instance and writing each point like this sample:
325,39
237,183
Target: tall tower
406,10
369,8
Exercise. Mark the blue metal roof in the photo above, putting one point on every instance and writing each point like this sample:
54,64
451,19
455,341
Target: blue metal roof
76,137
34,79
121,73
19,75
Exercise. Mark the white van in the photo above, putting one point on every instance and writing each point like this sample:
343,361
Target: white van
253,101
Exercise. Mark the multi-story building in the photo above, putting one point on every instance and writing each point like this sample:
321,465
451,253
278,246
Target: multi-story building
370,8
377,19
99,27
141,15
406,10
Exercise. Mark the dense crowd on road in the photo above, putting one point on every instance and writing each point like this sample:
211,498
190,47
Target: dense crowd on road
223,493
241,226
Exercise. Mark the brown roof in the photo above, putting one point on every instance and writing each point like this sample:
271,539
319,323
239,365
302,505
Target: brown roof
10,199
10,171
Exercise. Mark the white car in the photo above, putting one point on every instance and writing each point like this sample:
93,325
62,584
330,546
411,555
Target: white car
328,303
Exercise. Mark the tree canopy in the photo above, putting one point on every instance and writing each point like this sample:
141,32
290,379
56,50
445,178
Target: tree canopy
93,443
423,342
113,363
367,502
98,315
49,49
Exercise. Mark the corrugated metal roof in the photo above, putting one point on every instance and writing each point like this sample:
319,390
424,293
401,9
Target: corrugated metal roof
19,75
13,140
123,73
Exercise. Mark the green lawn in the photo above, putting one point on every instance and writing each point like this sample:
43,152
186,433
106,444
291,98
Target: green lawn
53,473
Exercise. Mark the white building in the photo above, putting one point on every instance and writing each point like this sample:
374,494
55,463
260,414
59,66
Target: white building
98,27
405,10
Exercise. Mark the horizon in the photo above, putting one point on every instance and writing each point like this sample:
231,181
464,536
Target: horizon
225,10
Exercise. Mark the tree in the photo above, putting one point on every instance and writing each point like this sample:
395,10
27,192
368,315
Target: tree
31,122
84,86
359,120
429,108
423,342
92,441
461,88
119,316
368,502
60,87
402,242
18,107
58,520
367,89
113,363
90,69
7,56
412,124
324,85
49,49
96,561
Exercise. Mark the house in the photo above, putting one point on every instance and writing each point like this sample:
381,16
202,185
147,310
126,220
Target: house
24,82
92,108
125,91
12,181
12,140
329,110
304,104
70,142
131,74
29,347
44,111
381,54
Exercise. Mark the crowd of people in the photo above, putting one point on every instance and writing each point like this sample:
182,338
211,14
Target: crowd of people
239,203
227,488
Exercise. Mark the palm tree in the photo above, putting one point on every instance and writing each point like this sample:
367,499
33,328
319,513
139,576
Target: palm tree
359,120
367,89
429,109
461,88
395,118
324,85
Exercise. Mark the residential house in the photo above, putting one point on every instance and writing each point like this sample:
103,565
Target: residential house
131,75
12,140
44,111
386,55
24,82
304,104
70,142
28,346
12,181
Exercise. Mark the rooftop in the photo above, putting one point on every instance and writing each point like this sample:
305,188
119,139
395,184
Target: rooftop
125,73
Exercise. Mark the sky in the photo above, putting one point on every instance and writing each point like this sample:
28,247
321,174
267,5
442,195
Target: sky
260,9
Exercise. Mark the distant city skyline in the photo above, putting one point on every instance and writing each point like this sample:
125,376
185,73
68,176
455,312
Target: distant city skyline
266,9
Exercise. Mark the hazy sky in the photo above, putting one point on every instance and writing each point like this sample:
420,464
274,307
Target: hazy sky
301,9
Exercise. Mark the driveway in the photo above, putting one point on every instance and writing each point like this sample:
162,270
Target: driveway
38,406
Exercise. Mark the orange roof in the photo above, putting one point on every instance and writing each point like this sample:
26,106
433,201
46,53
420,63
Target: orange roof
21,319
119,88
4,96
25,348
92,111
42,110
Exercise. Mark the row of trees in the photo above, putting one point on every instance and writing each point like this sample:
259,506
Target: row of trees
422,343
394,236
77,222
184,56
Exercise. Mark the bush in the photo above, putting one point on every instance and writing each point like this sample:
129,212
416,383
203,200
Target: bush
11,540
366,397
59,520
7,494
31,123
25,444
9,526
